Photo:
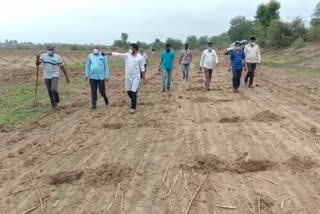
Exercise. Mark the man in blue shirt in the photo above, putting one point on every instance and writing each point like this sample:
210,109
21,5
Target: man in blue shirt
97,71
167,65
238,60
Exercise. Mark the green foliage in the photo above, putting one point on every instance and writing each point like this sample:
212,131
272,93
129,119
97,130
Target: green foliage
298,29
316,12
143,45
220,41
192,41
240,29
279,34
268,12
157,44
176,44
299,43
202,42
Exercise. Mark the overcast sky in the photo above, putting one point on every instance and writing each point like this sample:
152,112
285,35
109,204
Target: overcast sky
102,21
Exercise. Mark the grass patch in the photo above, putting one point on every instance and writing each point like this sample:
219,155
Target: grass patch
16,103
77,65
294,69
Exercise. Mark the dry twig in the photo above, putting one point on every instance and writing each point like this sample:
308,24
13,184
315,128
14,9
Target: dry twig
275,183
196,193
35,207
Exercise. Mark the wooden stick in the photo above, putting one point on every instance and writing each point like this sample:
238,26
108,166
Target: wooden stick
196,193
250,209
121,200
315,143
270,197
174,183
117,191
35,207
167,139
166,172
226,207
39,195
275,183
282,203
259,202
109,205
251,204
216,190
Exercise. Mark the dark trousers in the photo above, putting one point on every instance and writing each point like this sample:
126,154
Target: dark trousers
208,76
95,84
250,74
236,73
52,87
133,96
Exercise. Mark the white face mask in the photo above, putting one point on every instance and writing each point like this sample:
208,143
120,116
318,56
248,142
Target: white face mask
210,49
130,51
95,51
253,43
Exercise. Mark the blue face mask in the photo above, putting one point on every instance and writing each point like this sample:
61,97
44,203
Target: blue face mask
237,48
50,53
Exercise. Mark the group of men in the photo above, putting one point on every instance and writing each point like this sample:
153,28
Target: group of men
136,60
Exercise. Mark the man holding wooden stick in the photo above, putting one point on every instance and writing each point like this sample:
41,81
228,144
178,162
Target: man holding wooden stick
51,71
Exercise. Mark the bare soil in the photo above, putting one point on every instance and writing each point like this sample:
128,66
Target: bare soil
257,147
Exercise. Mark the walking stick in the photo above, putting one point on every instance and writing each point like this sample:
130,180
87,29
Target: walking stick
36,89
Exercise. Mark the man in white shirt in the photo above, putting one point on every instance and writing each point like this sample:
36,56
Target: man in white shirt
252,52
134,65
145,62
208,62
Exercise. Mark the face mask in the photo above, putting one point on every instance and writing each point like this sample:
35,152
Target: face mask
210,49
96,51
168,50
186,48
253,43
237,48
50,52
130,51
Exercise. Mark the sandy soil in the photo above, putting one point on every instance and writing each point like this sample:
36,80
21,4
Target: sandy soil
254,152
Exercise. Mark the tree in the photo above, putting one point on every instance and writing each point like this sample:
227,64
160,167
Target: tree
176,44
143,45
298,28
192,41
314,33
157,44
220,41
279,34
202,42
268,12
240,29
316,12
124,37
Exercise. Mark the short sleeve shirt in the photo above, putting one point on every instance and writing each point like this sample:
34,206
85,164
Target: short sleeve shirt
186,56
51,65
168,58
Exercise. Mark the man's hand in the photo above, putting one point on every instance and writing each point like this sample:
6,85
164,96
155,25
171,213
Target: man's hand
106,81
86,79
68,80
229,69
200,69
160,69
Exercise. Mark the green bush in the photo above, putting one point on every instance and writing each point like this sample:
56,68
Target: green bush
280,34
299,43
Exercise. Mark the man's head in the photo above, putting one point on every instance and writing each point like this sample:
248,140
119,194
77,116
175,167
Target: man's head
141,50
209,46
237,46
134,48
168,47
96,49
50,50
186,46
252,41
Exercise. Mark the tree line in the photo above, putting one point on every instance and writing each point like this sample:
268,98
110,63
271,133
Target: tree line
267,27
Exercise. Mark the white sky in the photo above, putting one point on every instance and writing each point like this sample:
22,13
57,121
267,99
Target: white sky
102,21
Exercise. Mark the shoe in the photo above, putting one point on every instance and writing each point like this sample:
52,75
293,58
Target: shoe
208,89
93,108
108,103
168,88
164,89
132,111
